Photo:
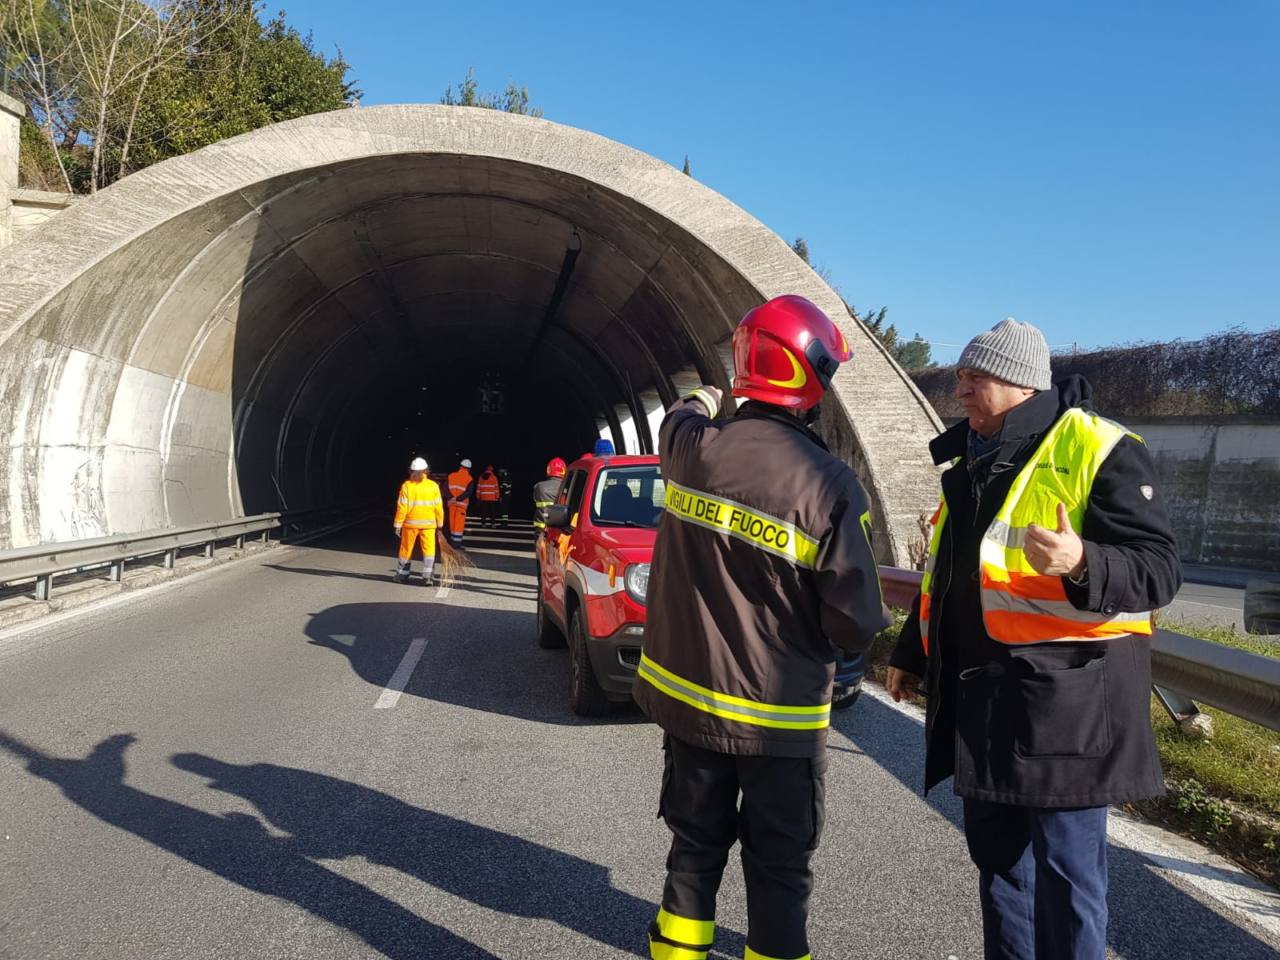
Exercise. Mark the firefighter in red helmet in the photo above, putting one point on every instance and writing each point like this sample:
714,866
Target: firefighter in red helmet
544,491
762,571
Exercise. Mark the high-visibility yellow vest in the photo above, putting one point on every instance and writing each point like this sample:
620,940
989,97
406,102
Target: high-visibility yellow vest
419,504
1020,605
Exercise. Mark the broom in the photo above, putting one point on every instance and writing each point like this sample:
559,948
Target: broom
451,561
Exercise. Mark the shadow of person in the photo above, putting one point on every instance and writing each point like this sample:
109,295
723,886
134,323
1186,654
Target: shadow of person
238,848
330,818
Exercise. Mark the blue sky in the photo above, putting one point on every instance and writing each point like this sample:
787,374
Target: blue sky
1107,171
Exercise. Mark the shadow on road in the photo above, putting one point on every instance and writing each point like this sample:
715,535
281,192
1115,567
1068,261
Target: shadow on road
1150,916
237,848
327,818
480,658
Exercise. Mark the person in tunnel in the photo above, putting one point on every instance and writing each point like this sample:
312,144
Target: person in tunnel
504,487
763,570
488,495
462,488
545,491
419,511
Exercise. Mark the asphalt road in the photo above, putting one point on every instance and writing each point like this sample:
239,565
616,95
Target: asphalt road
203,772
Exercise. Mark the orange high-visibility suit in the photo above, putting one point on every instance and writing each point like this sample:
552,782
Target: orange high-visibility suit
488,493
419,511
459,487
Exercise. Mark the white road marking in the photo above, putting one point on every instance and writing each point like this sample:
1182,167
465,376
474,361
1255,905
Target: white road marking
400,679
443,591
1215,877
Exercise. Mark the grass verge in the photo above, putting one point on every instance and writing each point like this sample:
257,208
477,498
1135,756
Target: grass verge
1223,792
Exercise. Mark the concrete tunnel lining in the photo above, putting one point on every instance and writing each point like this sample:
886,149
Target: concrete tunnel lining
217,333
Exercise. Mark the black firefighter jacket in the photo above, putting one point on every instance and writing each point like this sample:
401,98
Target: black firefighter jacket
743,621
1059,724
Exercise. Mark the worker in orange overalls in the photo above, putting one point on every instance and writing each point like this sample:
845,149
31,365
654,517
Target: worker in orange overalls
419,511
488,493
461,489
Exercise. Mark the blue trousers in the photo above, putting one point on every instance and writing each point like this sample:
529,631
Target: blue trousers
1042,880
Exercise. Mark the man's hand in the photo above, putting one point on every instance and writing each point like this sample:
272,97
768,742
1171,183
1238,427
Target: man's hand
901,685
1055,553
397,529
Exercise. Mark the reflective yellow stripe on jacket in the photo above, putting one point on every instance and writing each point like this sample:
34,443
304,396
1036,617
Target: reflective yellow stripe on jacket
765,532
540,505
732,708
419,505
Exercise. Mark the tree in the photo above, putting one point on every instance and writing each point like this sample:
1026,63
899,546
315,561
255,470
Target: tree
115,85
686,169
914,354
514,99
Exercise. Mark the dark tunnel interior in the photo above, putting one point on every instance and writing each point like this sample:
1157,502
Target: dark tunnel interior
453,307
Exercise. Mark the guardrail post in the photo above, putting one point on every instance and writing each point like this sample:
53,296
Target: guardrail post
170,558
44,586
115,572
208,550
1184,713
240,542
266,536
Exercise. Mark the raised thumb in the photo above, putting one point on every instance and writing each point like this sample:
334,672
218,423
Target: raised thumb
1064,522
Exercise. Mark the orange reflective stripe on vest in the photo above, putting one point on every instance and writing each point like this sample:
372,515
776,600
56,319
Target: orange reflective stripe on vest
458,481
1019,604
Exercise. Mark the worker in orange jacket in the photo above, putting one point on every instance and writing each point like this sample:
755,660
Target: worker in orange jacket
461,489
488,494
419,511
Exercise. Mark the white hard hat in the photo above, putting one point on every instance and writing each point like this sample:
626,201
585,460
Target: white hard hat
418,464
467,464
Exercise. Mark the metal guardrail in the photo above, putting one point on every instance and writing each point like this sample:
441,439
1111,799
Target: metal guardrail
45,561
1241,683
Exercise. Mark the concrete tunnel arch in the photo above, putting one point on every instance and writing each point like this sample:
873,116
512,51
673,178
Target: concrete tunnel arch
268,322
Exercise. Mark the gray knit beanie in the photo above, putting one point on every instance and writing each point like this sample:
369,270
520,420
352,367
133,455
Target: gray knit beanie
1012,351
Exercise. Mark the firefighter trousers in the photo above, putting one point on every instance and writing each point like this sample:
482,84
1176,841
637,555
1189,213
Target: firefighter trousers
774,806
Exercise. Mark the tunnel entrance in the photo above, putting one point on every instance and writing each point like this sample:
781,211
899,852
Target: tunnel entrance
454,307
283,320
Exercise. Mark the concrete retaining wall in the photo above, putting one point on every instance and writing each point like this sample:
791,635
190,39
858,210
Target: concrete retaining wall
1221,477
11,112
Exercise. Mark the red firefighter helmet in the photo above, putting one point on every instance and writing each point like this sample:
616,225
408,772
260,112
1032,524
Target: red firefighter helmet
785,352
557,467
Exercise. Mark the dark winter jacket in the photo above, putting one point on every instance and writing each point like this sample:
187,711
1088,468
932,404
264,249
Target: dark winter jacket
1057,724
763,566
544,494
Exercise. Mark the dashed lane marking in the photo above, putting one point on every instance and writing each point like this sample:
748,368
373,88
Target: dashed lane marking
400,679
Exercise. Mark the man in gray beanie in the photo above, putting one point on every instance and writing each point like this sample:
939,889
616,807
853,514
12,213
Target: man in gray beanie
1049,550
